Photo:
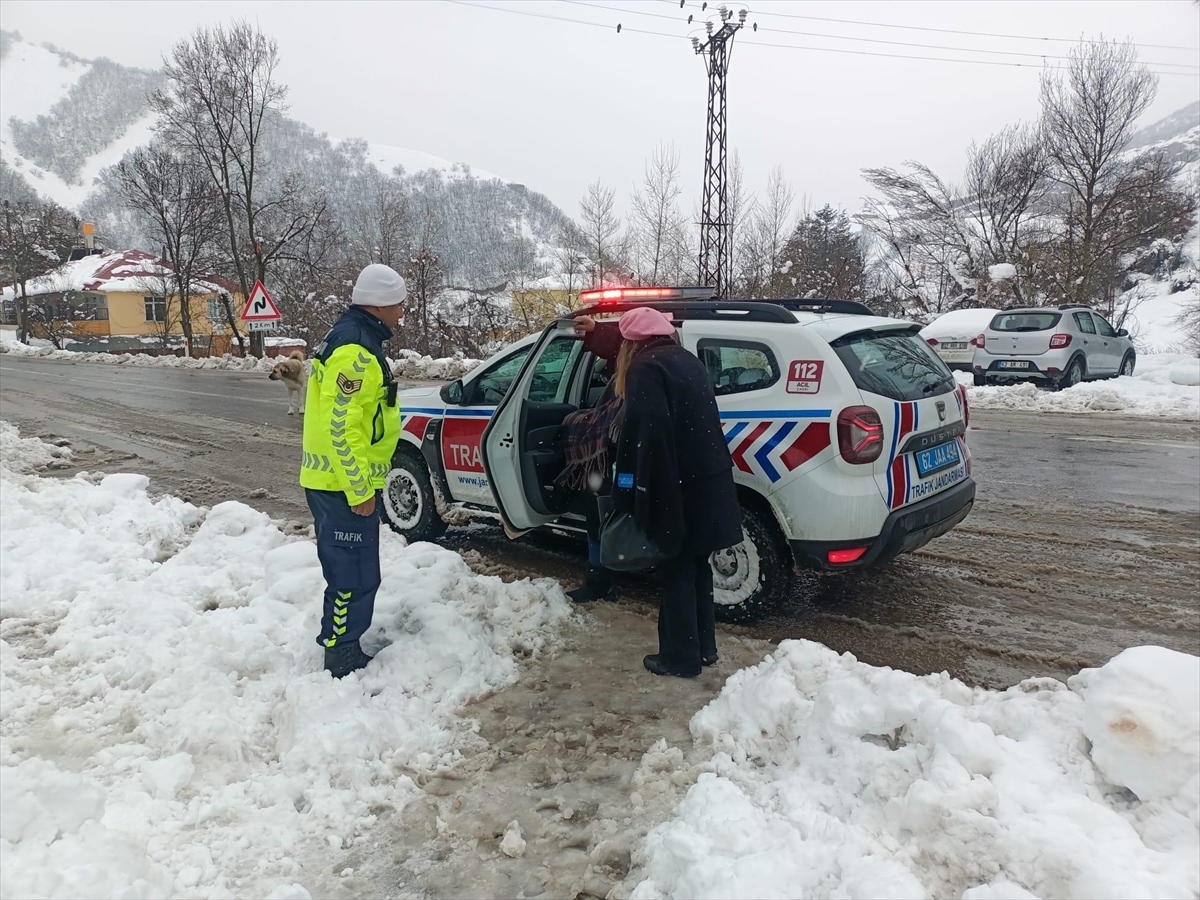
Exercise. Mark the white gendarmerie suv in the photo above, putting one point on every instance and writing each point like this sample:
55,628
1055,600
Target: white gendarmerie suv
848,435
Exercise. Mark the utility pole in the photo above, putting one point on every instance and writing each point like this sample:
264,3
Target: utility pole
716,251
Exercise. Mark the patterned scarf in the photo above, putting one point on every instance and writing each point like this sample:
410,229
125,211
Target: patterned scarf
591,436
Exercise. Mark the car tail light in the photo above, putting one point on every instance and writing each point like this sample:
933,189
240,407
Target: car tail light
932,342
1059,341
978,341
850,554
860,435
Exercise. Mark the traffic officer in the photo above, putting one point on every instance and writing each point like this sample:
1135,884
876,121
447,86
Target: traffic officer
350,433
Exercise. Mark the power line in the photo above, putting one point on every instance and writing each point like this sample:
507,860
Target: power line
623,29
866,40
1018,37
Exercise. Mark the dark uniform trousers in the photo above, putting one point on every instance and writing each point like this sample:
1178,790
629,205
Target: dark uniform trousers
348,547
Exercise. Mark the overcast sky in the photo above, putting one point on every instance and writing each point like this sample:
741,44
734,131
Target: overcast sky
556,105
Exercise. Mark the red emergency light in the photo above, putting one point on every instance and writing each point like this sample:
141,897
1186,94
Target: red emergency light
632,294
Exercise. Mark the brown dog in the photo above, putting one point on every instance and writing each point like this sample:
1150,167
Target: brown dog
292,373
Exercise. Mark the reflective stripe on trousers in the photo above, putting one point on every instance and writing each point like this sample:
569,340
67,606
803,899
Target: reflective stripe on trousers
348,547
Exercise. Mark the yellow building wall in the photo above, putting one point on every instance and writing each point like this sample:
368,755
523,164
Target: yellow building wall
127,314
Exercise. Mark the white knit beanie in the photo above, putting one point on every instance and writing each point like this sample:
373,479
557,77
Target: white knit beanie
379,285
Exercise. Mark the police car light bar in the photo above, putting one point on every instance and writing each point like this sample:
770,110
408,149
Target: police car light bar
632,295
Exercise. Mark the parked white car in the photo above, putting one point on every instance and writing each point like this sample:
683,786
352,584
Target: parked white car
848,436
1057,346
952,335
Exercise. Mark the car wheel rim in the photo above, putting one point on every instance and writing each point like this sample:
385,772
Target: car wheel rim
736,574
402,497
1127,367
1073,378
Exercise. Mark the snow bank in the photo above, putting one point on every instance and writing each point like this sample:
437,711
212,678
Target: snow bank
167,727
1163,384
26,455
1002,271
832,778
411,365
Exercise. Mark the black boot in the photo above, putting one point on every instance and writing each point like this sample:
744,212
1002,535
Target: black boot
597,585
343,659
709,659
656,665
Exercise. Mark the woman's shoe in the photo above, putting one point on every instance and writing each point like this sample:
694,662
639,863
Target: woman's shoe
597,585
709,660
655,665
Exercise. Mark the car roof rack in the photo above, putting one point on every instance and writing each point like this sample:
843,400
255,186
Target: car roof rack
727,310
824,305
1074,306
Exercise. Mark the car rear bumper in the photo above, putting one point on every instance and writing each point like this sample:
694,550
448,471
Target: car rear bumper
904,531
1042,366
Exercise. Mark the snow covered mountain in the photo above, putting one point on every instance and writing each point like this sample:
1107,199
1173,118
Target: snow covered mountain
66,118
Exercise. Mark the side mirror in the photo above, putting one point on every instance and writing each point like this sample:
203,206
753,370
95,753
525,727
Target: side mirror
452,393
1122,332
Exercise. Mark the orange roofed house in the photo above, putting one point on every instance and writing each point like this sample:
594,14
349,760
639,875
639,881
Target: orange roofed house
123,301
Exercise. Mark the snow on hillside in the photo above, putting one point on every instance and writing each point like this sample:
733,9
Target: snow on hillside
386,158
32,80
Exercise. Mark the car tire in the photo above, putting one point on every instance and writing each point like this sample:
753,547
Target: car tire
1074,375
979,379
1127,365
408,506
751,579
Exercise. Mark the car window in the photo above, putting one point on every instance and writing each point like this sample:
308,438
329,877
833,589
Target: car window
898,365
735,367
490,387
1026,321
552,372
1084,321
1105,329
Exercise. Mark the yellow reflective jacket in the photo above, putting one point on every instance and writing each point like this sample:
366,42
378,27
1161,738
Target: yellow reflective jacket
350,428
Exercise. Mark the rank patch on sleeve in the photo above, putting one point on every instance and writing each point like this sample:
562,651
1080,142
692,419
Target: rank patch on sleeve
347,386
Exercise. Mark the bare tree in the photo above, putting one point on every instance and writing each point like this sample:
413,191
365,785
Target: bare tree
1005,183
34,239
221,94
657,222
770,225
161,306
737,205
601,226
570,257
1089,111
170,193
425,280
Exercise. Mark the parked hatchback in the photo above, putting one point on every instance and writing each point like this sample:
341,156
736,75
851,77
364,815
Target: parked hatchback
1059,347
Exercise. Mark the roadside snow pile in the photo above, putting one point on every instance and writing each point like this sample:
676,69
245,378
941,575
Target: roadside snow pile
832,778
142,361
411,365
167,727
1163,384
24,456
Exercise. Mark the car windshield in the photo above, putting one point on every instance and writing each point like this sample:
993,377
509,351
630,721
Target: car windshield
1025,321
898,365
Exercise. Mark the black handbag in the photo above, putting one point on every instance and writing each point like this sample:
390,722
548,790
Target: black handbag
624,547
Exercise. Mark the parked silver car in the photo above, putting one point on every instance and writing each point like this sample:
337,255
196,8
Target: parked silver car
1059,346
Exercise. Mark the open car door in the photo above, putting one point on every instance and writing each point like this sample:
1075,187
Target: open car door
522,446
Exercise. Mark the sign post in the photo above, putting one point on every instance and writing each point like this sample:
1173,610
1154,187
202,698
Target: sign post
260,313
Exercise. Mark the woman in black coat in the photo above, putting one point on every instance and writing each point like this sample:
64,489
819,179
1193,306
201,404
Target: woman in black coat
675,474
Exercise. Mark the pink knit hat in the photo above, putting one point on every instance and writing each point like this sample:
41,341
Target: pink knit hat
644,322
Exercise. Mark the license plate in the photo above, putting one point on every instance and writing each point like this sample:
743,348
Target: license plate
1015,364
955,345
939,457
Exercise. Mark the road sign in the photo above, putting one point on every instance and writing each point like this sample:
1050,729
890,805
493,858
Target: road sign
262,325
259,306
